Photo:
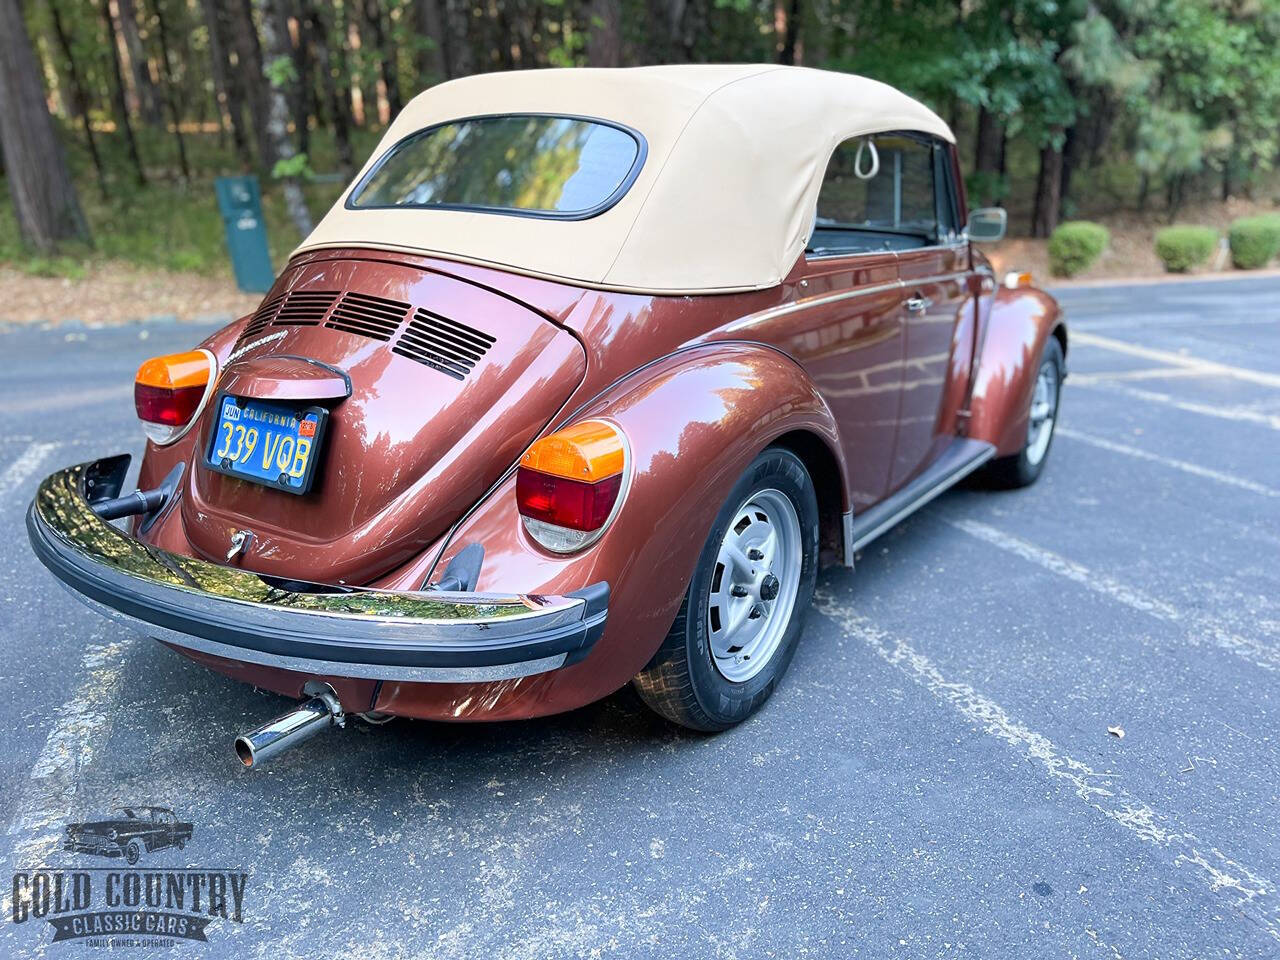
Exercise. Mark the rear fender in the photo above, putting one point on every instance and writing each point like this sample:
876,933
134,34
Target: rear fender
694,421
1020,322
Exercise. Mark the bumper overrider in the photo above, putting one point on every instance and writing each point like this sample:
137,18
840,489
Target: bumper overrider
322,630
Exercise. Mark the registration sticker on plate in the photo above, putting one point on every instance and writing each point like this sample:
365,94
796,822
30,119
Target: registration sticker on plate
277,444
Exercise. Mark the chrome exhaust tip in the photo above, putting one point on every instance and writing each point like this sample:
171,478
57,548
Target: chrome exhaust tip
311,716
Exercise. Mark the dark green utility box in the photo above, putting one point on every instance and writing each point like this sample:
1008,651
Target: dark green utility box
240,202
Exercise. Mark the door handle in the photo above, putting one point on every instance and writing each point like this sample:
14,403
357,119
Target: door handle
919,304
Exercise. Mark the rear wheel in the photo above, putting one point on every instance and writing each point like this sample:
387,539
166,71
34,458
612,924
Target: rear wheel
742,614
1023,468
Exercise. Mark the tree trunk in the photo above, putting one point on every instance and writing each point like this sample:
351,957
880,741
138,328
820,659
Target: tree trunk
139,66
170,94
1175,194
668,31
338,107
302,99
118,97
244,41
44,196
790,15
433,62
216,19
78,94
375,16
1044,218
604,41
457,26
278,121
988,155
1072,156
1228,164
817,41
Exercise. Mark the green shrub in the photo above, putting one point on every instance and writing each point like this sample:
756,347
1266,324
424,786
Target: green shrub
186,261
1075,245
1254,240
1181,248
55,267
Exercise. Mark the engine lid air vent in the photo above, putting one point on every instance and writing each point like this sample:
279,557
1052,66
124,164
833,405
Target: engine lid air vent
264,315
446,345
304,308
368,316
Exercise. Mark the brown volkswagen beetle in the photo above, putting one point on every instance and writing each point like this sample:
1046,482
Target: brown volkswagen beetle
574,386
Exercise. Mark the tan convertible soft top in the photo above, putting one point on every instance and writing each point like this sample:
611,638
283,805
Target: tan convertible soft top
725,198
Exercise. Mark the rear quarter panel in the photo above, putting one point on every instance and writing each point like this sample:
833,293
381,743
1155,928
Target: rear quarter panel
694,420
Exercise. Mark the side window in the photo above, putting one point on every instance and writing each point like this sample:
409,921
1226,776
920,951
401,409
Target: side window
906,204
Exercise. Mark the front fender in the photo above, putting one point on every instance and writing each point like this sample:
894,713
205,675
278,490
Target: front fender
1019,323
694,420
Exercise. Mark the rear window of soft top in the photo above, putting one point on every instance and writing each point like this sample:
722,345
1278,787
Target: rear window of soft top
525,164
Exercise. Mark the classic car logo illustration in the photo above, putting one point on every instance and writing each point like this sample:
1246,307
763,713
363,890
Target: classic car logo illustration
129,832
118,906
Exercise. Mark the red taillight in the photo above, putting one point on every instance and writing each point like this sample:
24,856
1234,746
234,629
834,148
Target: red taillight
565,502
569,484
170,407
169,391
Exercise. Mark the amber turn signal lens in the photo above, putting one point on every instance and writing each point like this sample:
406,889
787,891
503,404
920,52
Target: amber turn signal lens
588,451
1015,279
569,484
169,391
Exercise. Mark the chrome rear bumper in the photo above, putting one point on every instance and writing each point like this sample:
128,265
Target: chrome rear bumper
317,629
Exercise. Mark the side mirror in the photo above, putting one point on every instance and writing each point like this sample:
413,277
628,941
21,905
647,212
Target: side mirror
987,224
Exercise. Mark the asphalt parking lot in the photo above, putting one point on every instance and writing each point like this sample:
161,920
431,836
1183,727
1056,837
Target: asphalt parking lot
935,777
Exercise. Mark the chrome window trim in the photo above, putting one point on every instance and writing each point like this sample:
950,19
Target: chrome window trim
960,244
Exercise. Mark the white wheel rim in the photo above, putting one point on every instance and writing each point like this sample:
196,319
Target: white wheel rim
1044,410
754,585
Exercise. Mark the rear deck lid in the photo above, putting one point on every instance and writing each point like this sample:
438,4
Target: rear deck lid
449,382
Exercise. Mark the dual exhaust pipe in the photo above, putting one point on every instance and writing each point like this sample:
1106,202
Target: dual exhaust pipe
320,712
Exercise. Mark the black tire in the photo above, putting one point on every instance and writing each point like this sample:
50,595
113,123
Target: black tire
682,682
133,852
1021,470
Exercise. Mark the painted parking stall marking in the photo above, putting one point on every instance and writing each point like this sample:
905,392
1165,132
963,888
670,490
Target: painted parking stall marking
1246,889
1211,367
80,726
66,401
1152,373
1194,469
1239,413
28,462
1199,629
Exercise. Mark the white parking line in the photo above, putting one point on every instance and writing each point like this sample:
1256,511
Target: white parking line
1083,338
61,401
1186,467
1248,892
28,462
1237,413
1153,373
82,723
1199,629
